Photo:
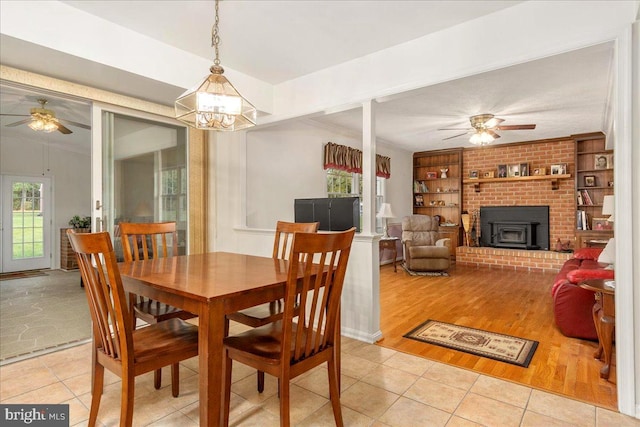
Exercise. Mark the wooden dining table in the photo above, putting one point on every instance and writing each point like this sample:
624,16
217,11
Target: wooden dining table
210,285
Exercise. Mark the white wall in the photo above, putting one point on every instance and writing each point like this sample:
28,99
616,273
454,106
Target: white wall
285,162
70,173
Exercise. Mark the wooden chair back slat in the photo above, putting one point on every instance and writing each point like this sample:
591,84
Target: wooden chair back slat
105,294
284,236
319,298
136,238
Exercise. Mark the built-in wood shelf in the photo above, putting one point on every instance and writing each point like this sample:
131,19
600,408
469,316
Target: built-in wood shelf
553,178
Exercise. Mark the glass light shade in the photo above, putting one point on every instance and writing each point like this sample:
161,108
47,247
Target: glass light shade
215,104
481,138
36,125
43,124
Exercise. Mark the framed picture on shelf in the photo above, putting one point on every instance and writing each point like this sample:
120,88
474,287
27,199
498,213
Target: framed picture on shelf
559,169
603,161
524,169
502,171
418,200
589,181
488,174
600,224
514,170
432,175
473,174
540,171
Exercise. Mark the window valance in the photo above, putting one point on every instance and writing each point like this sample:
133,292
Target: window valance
349,159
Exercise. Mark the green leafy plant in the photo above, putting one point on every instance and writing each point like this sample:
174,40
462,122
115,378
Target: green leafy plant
77,222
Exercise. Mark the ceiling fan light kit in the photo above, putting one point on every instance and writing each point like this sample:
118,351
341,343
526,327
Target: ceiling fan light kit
483,127
214,104
481,138
44,120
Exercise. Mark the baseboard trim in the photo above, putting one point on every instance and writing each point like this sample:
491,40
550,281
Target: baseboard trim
360,336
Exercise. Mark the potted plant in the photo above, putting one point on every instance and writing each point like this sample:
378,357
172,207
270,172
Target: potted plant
81,224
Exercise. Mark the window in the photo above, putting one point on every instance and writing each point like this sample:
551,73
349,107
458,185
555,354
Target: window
349,184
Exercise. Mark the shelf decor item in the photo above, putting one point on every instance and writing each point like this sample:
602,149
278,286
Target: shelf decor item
602,161
589,180
443,172
540,171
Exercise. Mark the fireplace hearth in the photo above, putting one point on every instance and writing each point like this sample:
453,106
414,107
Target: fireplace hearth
515,227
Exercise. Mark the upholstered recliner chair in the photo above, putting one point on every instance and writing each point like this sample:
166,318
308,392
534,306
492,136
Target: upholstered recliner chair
424,250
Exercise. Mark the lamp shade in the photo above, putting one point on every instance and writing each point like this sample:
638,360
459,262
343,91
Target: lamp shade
385,211
215,104
608,207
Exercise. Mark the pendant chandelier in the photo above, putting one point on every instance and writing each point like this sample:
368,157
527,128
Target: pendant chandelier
214,104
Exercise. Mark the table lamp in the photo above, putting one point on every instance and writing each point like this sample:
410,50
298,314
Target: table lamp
385,213
608,207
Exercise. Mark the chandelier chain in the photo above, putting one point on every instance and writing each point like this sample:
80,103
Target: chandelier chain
215,37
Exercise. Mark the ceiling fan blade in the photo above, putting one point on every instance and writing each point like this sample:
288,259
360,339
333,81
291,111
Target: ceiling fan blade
455,136
514,127
21,122
76,124
15,115
493,134
467,129
493,122
63,129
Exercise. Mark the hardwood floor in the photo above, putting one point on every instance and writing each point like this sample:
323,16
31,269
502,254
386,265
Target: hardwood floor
509,302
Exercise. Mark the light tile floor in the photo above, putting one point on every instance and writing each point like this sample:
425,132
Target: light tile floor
380,387
42,312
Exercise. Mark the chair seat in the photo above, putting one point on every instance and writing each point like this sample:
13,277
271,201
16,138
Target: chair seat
153,311
163,339
259,315
265,342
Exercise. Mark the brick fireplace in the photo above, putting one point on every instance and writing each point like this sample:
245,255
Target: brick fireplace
538,154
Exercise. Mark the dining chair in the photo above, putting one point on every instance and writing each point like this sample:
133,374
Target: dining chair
142,241
264,314
308,332
125,351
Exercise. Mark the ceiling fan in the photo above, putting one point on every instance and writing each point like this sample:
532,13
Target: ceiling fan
484,127
44,120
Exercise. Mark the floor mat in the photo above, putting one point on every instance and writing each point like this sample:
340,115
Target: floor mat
505,348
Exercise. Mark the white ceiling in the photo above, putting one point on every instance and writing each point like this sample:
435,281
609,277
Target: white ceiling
275,41
279,40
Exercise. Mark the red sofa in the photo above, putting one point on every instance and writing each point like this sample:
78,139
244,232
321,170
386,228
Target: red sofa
572,305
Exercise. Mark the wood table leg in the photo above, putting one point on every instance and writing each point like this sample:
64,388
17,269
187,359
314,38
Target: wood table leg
606,327
597,308
211,325
395,255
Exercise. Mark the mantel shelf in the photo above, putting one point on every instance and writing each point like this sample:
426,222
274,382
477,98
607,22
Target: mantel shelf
516,178
553,178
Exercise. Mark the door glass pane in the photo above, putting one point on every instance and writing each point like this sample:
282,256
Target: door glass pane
27,224
144,174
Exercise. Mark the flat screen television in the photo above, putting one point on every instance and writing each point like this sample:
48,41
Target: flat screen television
333,214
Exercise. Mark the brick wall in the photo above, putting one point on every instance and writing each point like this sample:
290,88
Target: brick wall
525,193
511,259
